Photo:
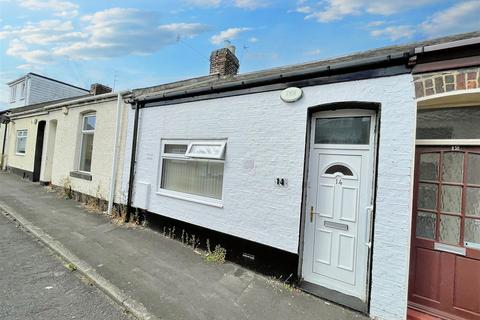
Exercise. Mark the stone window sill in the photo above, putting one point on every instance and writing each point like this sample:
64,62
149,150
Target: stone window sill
81,175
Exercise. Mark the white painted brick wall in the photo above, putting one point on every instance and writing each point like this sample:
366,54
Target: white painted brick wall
262,128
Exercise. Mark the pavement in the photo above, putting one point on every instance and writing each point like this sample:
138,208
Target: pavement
152,276
36,285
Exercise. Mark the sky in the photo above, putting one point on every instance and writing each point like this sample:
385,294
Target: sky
129,44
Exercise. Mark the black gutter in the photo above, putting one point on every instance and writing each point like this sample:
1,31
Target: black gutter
131,177
290,76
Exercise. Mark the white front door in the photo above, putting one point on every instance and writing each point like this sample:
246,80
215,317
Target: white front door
339,199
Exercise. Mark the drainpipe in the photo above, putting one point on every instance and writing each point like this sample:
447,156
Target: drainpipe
132,163
116,148
3,146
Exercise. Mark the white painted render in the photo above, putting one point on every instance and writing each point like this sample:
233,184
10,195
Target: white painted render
21,161
265,140
60,153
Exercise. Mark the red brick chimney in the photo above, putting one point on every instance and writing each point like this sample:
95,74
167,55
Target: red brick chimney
98,88
224,62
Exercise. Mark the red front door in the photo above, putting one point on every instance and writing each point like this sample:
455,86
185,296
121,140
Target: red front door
445,253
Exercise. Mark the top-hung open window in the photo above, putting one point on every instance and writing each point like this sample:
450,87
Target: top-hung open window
206,150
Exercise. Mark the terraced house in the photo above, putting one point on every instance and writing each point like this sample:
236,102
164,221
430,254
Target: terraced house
365,168
71,142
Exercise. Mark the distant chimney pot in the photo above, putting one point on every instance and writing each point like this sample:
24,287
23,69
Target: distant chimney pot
224,62
98,88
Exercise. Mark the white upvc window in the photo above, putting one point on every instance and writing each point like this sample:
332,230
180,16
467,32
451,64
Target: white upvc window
193,170
21,143
23,87
206,149
86,143
13,93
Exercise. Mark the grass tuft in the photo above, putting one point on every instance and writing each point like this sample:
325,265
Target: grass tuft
70,266
217,255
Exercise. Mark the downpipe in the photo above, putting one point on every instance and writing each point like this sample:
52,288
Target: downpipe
116,147
131,178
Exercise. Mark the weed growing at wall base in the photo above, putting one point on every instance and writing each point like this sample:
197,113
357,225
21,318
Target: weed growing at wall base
217,256
66,191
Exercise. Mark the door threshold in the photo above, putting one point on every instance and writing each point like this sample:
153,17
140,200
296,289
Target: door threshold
427,313
413,314
334,296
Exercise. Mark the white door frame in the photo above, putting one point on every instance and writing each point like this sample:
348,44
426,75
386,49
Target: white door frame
364,235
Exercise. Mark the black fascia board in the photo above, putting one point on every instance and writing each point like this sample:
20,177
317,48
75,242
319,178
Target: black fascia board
348,71
449,54
352,70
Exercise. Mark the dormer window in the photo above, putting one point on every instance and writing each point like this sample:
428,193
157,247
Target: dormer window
23,87
13,93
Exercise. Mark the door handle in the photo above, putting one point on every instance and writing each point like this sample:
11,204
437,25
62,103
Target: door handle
312,212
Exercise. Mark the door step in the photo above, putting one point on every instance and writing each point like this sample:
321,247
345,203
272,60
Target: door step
417,315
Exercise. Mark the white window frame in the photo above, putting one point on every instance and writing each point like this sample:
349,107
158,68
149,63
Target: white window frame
83,132
190,157
220,144
23,89
16,141
13,93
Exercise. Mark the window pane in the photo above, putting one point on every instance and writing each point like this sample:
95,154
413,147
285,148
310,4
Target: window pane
449,123
451,199
203,178
450,229
427,196
473,172
453,167
86,153
21,144
339,169
429,166
348,130
89,123
426,222
175,148
472,231
472,206
213,151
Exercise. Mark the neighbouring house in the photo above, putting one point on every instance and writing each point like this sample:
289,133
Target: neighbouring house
72,143
445,245
33,88
318,160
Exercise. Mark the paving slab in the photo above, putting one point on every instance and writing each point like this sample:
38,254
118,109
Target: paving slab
170,280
